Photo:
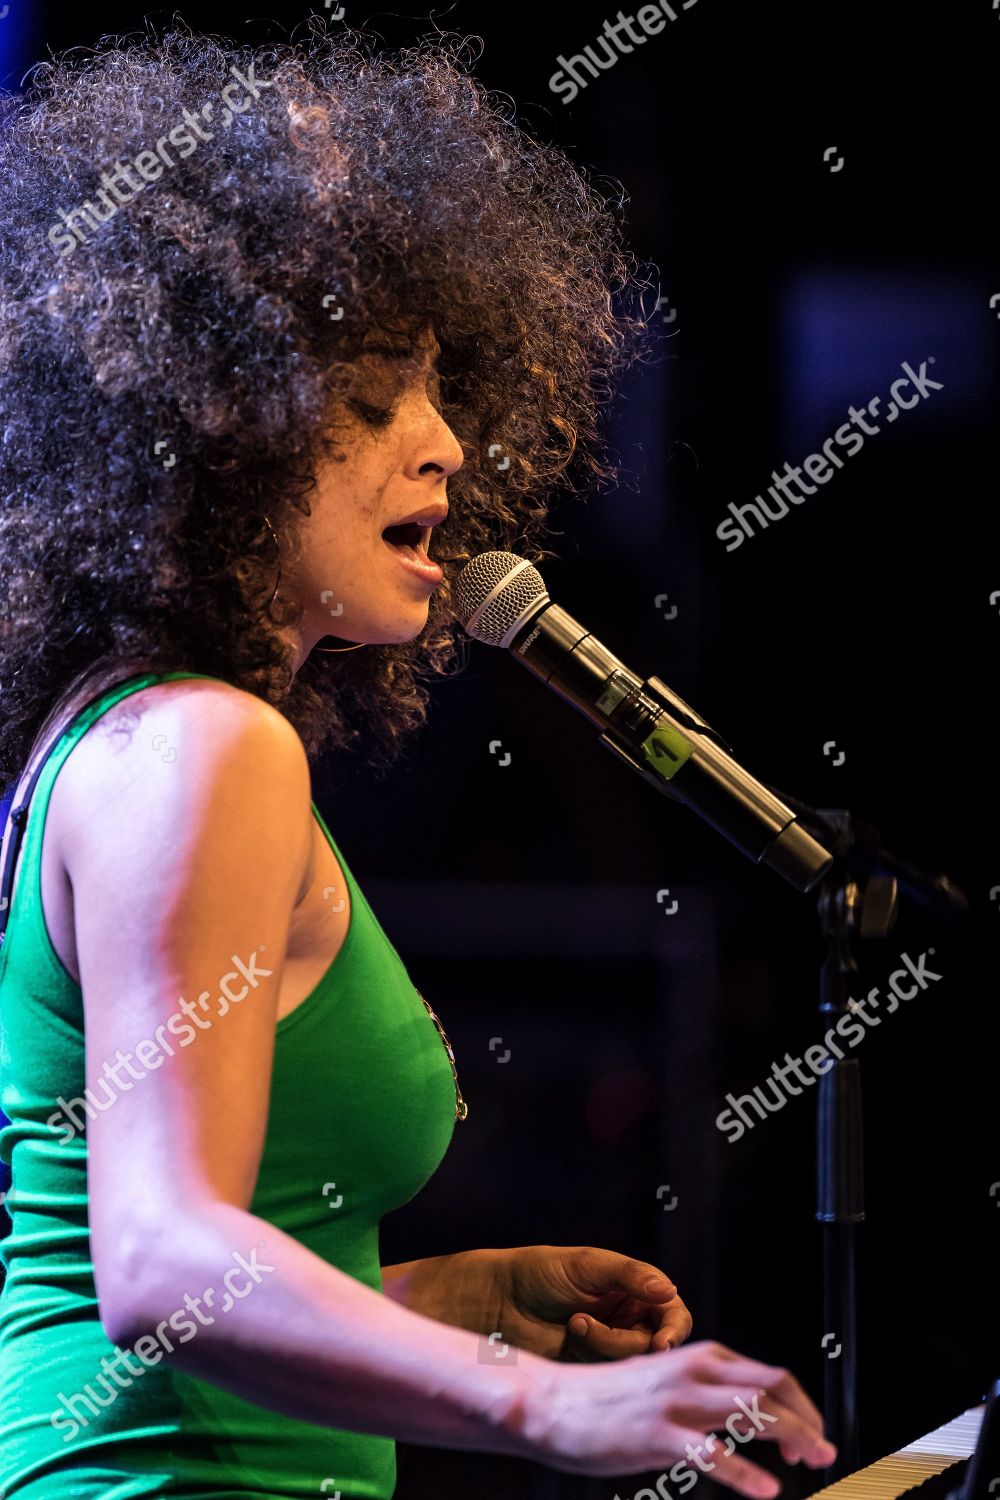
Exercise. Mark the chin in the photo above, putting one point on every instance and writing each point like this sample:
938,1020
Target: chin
407,633
400,628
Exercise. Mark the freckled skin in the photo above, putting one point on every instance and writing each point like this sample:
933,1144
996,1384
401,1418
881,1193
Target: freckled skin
377,475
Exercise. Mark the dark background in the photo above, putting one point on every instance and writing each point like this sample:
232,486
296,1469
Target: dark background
524,897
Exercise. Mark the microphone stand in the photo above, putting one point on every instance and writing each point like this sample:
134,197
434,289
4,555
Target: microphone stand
858,898
858,881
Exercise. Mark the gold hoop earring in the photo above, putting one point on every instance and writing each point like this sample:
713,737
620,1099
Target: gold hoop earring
323,650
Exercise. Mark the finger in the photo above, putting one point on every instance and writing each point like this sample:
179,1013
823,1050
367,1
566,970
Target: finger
595,1270
673,1325
730,1469
779,1382
789,1452
797,1437
790,1393
741,1474
756,1414
605,1342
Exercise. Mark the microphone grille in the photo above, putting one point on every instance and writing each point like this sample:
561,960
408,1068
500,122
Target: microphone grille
495,593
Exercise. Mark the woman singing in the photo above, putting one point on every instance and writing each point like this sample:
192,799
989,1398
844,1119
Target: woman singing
263,315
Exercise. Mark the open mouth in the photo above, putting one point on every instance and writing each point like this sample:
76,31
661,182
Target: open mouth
408,538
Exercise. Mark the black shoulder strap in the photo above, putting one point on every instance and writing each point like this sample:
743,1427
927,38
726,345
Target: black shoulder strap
12,844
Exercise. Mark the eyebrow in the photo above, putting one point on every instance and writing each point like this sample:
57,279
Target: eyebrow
396,351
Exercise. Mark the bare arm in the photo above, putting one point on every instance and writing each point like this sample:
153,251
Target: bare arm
298,1336
176,867
461,1289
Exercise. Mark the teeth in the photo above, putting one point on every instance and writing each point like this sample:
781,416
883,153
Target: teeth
418,553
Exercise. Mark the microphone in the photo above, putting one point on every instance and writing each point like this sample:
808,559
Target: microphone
501,600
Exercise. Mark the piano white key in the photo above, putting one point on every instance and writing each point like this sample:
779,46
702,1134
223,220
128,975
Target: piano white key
898,1472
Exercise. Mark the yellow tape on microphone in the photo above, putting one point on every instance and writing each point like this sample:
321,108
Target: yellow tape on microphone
666,750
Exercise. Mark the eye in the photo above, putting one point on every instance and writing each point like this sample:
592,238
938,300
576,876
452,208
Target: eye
375,416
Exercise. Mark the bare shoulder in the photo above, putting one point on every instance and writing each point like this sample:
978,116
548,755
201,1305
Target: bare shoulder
172,745
211,718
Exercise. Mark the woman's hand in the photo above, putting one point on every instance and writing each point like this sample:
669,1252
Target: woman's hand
579,1303
688,1411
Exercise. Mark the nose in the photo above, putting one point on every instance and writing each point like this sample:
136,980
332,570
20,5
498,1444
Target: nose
437,450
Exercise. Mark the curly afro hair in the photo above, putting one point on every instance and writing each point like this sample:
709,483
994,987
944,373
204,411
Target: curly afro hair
173,245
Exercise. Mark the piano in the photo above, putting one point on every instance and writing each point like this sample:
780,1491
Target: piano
937,1465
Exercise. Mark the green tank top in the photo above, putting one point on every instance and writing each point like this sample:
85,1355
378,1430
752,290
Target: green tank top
362,1110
